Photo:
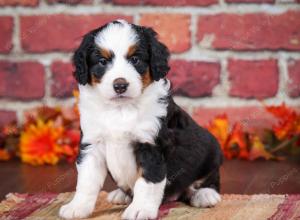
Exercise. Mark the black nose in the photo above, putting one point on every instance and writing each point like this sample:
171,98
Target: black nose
120,85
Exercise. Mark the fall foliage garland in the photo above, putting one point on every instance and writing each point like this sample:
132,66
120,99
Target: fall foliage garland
50,135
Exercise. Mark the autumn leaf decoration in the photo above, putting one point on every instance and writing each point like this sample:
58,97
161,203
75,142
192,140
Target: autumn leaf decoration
232,140
283,139
51,134
48,135
4,155
39,143
287,130
258,150
9,141
288,125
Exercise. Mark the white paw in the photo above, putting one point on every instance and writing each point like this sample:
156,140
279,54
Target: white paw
205,197
140,212
118,197
76,210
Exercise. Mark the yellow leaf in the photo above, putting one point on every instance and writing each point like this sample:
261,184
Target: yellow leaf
258,150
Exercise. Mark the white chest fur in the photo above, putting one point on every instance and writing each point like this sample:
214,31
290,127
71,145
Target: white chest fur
116,127
121,163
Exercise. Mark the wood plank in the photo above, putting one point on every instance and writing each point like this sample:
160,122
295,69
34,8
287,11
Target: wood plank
242,177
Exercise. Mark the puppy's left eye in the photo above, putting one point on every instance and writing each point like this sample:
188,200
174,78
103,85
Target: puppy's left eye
134,60
103,61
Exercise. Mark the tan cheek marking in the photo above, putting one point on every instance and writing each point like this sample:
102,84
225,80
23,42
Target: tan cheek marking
95,80
139,173
146,79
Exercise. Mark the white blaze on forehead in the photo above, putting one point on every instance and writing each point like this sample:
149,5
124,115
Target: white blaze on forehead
117,37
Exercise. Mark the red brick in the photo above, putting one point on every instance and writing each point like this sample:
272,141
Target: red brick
166,2
172,29
70,2
294,78
65,33
19,2
249,117
63,82
7,117
22,81
194,78
250,1
253,79
250,31
6,30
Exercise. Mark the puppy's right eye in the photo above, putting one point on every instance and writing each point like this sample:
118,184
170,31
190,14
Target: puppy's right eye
134,60
103,61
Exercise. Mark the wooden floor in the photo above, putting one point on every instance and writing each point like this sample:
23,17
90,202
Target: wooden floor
241,177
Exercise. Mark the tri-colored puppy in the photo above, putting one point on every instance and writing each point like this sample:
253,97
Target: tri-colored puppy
132,128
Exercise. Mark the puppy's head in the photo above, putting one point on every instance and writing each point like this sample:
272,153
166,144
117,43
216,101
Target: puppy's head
119,60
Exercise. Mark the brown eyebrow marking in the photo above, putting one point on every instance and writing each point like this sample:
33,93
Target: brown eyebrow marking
106,53
131,50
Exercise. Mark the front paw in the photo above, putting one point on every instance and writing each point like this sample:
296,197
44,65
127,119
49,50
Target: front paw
76,210
139,212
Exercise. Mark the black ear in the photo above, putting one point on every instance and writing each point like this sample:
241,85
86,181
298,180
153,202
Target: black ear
80,59
159,55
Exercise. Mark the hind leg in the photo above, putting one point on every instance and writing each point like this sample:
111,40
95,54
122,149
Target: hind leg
205,197
118,196
205,192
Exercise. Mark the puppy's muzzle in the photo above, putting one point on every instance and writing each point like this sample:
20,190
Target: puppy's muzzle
120,85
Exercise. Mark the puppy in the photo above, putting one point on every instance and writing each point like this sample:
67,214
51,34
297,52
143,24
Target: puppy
132,128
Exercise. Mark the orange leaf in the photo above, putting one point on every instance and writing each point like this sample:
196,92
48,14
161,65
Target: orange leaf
289,121
238,140
219,127
10,129
71,144
4,155
281,111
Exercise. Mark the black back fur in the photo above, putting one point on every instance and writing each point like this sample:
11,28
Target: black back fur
189,153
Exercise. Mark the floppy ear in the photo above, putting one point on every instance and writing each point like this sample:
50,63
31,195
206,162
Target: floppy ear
159,55
80,59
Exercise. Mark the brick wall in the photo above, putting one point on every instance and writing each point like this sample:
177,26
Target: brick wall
227,55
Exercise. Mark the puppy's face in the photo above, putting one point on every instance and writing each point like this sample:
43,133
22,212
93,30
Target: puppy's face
119,60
